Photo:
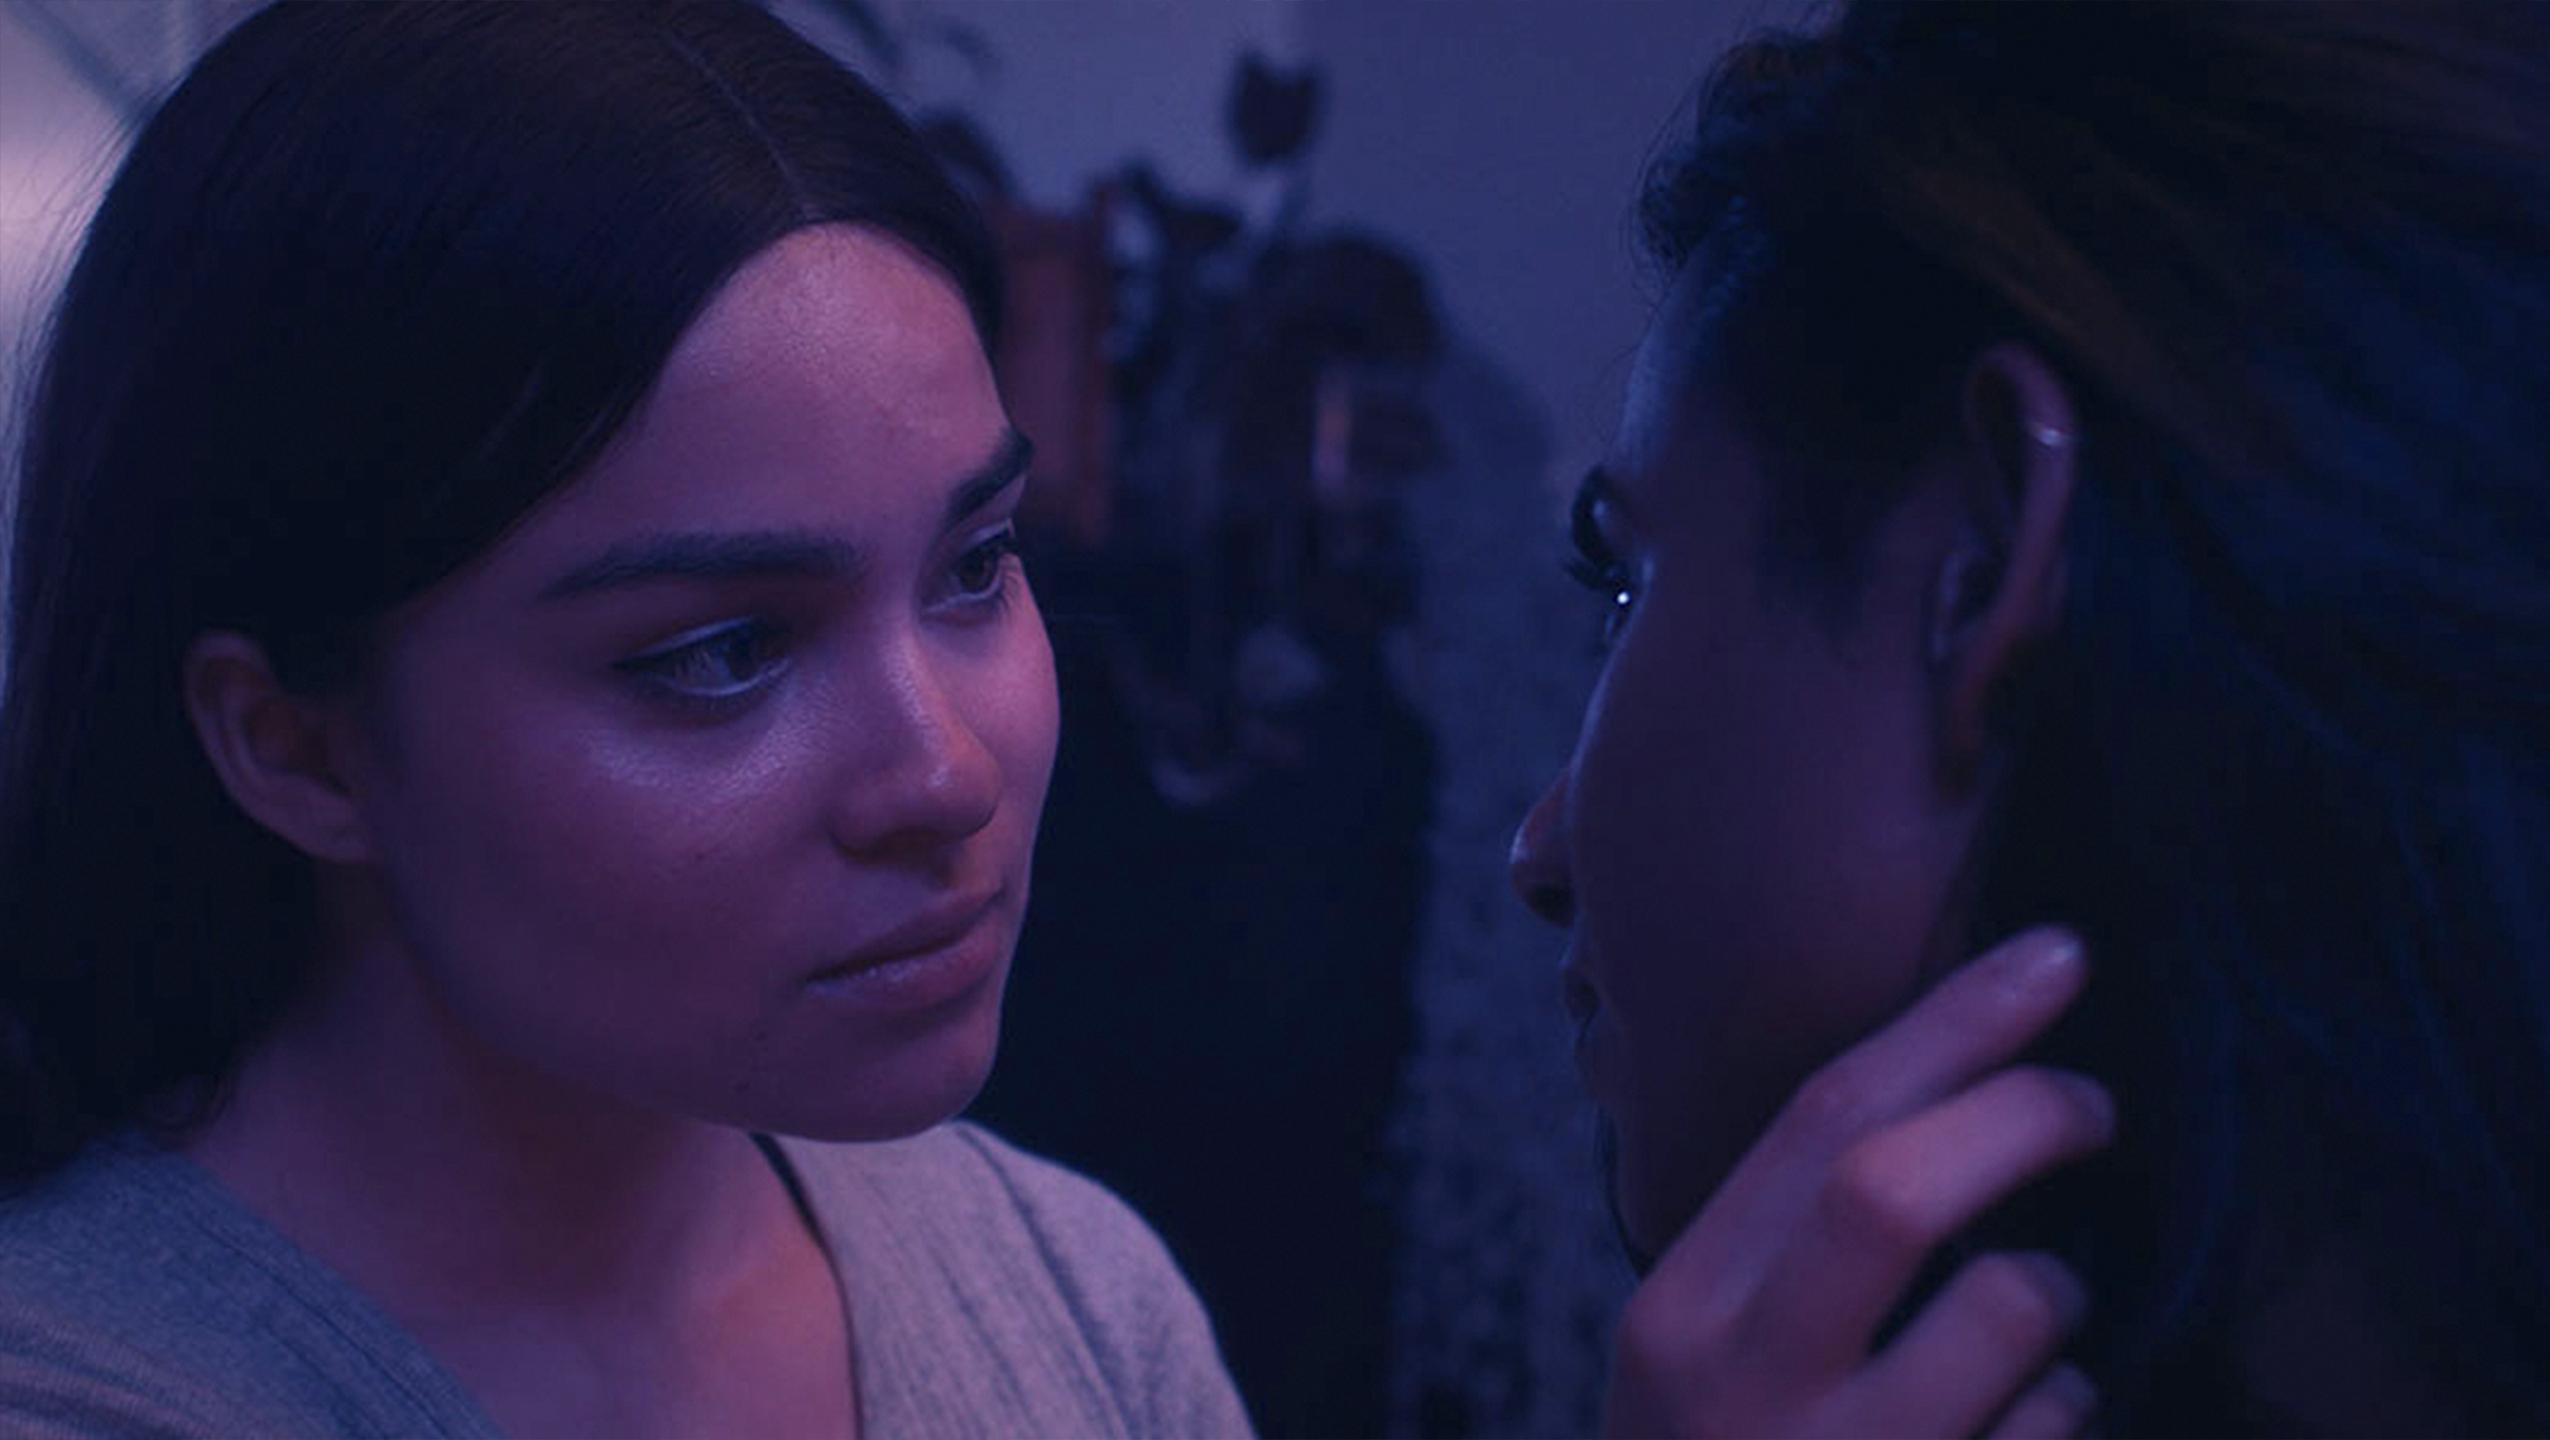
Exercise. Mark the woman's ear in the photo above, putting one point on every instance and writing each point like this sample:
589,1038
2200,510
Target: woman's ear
281,756
1999,591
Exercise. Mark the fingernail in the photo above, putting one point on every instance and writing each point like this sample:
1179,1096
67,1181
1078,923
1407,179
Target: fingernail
2099,1100
2071,1297
2067,1386
2047,960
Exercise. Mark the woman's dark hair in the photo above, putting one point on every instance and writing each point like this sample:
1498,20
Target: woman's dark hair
373,281
2287,763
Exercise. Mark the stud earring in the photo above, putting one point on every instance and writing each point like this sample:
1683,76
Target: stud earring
2050,436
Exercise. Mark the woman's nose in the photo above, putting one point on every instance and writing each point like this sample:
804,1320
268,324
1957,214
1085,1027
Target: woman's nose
1539,865
923,778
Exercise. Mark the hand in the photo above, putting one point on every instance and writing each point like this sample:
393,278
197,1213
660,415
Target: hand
1759,1320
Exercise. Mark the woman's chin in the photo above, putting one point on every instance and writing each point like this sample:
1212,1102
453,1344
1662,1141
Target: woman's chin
923,1082
1634,1208
1654,1196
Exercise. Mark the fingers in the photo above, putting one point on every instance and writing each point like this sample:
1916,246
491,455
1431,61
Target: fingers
1893,1197
2055,1408
1759,1317
1999,1321
1983,1014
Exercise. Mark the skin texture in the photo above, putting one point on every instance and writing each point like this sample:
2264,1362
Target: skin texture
593,835
1756,850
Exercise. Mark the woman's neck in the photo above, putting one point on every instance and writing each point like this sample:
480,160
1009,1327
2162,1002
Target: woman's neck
580,1264
447,1179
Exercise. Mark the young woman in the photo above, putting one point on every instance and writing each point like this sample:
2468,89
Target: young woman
524,730
2087,469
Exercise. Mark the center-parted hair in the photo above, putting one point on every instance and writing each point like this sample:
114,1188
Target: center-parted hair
374,280
2287,761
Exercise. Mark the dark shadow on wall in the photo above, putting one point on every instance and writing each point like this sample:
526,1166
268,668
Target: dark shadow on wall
1210,1009
1508,1274
1299,565
1295,1017
1211,1006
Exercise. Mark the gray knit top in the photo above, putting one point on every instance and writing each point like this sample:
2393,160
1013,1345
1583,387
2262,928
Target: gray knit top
990,1293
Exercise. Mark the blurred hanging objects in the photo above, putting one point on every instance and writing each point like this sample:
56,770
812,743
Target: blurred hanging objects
1211,1008
1273,112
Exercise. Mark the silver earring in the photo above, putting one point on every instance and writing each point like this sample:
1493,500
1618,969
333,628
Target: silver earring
2052,437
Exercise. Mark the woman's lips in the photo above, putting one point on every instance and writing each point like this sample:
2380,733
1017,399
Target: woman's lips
938,956
1584,1005
940,924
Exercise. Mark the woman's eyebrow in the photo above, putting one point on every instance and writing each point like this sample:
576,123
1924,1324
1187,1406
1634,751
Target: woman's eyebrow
723,555
772,554
1006,467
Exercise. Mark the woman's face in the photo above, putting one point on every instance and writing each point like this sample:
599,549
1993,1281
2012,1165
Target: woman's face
712,786
1750,846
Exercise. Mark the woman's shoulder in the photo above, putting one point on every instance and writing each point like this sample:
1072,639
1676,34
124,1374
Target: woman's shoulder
79,1316
1023,1256
97,1251
137,1298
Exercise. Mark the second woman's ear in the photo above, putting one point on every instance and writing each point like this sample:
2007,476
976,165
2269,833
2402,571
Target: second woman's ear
1999,591
281,756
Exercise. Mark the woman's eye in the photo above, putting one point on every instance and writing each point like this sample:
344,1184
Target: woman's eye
1599,568
980,571
1612,583
725,663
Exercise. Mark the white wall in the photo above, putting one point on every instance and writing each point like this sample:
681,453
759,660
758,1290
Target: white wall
59,142
1081,86
1504,140
1501,140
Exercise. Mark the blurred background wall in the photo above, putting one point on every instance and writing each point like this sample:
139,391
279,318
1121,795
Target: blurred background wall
60,132
1317,652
